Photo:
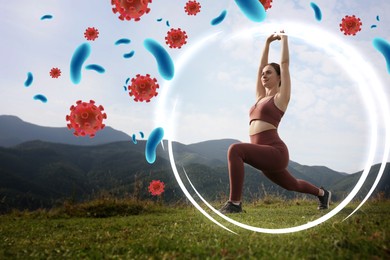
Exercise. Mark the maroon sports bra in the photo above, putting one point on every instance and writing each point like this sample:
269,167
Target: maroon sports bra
266,111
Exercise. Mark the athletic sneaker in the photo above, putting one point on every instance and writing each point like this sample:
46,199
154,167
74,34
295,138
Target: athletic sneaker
324,200
229,207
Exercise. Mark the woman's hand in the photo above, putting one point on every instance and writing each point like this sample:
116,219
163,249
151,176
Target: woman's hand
273,37
276,36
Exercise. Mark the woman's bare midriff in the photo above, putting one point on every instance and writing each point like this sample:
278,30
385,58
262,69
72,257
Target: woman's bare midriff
258,126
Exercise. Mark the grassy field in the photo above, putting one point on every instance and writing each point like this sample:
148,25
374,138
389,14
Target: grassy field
114,229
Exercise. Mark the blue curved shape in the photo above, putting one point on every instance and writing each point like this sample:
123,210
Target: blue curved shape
151,144
40,97
167,23
122,41
78,59
142,134
165,64
317,11
128,55
134,140
219,19
46,16
95,67
252,9
383,47
29,79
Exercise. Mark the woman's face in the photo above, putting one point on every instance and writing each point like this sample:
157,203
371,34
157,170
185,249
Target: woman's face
269,77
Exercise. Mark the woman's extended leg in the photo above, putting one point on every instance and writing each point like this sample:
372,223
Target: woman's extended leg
286,180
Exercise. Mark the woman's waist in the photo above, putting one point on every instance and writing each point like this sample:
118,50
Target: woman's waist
258,126
267,137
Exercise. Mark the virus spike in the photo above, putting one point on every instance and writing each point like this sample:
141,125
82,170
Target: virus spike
143,88
86,118
55,72
91,33
266,4
192,7
350,25
176,38
130,9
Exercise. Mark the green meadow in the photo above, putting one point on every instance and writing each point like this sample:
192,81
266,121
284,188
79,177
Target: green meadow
129,229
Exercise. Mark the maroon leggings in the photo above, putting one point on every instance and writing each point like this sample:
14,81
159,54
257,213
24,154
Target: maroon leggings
268,153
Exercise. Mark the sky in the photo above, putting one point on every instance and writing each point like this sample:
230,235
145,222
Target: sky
336,78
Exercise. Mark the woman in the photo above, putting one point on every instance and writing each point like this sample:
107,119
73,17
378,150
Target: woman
267,152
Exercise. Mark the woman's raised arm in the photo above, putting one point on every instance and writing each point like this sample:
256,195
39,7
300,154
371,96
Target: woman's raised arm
260,90
285,87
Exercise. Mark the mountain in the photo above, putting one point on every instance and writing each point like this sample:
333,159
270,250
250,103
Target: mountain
14,131
39,174
42,173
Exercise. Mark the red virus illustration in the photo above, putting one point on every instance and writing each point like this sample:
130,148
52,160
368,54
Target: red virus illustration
91,33
176,38
192,7
86,118
130,9
350,25
266,4
156,188
55,73
143,88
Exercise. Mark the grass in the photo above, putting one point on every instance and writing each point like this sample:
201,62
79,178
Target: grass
156,231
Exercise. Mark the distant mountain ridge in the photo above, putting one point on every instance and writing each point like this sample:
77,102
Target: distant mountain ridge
14,131
39,173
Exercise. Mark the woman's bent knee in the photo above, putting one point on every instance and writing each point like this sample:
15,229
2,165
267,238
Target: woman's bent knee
234,151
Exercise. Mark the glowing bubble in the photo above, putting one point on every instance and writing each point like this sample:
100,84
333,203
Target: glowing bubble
122,41
383,47
164,62
128,55
219,19
142,134
78,59
95,67
159,19
317,11
46,16
167,23
40,97
134,140
151,144
29,79
373,26
377,18
252,9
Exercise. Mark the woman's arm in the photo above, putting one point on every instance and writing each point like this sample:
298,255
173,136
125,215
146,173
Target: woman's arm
260,90
285,87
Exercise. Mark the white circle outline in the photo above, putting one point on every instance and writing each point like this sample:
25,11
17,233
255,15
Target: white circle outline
337,44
